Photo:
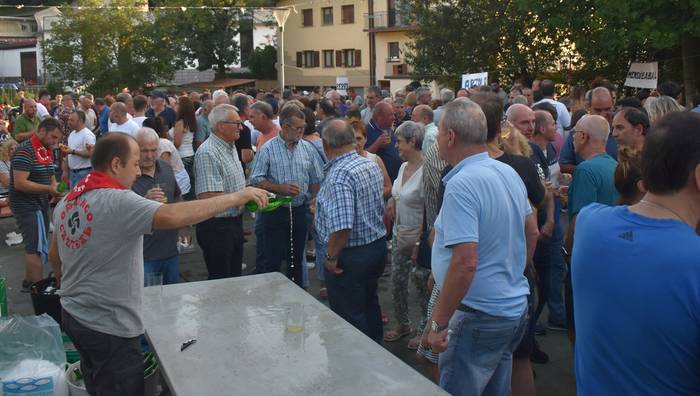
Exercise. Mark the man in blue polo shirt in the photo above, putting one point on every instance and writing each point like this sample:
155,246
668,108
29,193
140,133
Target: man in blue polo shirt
381,139
482,286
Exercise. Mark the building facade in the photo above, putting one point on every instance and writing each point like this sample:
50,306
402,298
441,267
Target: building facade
362,40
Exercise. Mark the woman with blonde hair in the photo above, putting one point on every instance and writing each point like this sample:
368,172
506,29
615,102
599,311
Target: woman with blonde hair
6,149
656,108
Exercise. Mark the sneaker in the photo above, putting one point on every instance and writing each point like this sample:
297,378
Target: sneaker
310,264
244,266
538,356
540,330
183,248
13,238
26,286
557,326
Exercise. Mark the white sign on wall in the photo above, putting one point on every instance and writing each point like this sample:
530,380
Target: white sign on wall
475,80
342,85
643,75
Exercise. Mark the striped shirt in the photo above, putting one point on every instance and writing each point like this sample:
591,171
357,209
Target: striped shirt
217,169
24,160
278,164
432,180
351,197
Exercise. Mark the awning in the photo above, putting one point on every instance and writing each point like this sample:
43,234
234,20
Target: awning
7,43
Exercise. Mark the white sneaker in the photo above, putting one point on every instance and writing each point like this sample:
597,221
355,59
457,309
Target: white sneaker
13,238
184,248
244,266
310,265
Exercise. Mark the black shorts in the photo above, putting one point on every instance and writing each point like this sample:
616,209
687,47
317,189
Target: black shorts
110,365
29,227
527,344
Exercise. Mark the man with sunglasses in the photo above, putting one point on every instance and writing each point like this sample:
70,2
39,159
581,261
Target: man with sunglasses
289,166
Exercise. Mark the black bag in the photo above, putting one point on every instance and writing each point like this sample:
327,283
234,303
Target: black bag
424,250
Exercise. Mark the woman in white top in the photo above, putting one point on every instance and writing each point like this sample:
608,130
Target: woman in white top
182,134
168,153
407,205
6,149
360,140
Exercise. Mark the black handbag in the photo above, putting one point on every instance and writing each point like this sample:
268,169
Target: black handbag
424,250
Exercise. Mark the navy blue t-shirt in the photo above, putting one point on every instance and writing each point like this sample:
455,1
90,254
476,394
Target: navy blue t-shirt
636,286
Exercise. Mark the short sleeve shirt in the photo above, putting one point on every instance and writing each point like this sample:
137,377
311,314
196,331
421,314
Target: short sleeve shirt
24,160
100,242
485,203
594,181
77,141
25,124
218,169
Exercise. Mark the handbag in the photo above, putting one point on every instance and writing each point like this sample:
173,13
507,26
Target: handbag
424,250
406,236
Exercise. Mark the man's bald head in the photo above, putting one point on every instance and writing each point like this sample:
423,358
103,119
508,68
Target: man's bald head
383,115
422,114
117,113
595,126
523,118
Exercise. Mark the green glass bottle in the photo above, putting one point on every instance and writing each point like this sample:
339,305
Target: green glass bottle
274,201
62,186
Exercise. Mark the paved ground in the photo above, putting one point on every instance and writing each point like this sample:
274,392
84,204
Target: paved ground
554,378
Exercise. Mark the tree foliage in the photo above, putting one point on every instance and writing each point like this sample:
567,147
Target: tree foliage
110,48
262,63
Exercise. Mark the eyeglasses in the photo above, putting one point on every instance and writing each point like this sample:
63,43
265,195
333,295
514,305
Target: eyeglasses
236,123
299,128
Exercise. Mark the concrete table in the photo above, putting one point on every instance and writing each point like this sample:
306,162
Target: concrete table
243,346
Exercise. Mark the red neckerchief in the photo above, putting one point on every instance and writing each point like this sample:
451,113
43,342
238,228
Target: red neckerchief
43,155
93,181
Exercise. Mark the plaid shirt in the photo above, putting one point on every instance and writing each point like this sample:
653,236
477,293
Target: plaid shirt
218,169
351,197
278,164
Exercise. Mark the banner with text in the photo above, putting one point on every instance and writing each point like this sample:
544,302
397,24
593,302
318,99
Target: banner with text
475,80
643,75
342,85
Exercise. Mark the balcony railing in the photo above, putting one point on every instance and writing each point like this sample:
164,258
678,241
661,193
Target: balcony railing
394,69
391,19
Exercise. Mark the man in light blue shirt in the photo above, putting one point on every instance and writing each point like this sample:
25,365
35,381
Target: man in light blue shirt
287,166
485,233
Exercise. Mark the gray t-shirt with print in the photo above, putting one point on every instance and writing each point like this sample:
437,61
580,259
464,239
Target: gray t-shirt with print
100,241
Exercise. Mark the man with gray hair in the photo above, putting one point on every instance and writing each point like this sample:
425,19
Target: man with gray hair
373,96
203,127
157,183
218,171
220,97
349,220
381,139
423,96
482,285
288,166
423,114
120,121
446,96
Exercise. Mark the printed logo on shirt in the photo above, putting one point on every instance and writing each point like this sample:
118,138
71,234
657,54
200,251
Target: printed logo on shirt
75,228
626,236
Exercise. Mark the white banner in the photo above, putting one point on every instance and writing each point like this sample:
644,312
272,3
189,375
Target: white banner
643,75
342,85
475,80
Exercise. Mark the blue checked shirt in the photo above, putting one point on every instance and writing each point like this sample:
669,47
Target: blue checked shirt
218,169
351,197
276,163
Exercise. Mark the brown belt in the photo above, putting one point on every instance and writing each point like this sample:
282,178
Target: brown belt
465,308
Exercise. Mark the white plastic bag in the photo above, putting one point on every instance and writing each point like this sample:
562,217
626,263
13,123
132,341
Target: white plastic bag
32,359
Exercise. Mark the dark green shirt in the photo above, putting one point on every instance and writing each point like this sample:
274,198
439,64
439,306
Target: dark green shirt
25,124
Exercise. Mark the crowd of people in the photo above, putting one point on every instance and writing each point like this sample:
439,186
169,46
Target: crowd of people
467,193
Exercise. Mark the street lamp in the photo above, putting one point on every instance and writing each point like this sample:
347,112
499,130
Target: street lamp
281,15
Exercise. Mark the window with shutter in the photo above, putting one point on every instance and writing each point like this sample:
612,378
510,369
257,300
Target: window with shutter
327,14
309,59
317,59
348,12
308,17
358,58
327,58
300,59
339,59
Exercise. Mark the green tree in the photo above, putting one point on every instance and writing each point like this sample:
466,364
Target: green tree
111,47
501,37
262,63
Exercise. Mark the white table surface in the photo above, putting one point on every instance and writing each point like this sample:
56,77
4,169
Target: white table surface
243,347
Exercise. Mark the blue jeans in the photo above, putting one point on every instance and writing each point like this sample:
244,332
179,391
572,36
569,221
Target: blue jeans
169,267
557,270
353,294
479,355
319,247
78,175
274,246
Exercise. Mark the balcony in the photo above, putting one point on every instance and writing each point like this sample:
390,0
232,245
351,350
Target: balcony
387,21
394,69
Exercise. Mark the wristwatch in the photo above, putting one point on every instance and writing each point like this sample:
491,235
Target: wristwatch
331,258
435,327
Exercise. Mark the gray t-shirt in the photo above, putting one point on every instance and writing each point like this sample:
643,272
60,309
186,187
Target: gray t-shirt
100,241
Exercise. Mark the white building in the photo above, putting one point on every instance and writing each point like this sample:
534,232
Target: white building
20,45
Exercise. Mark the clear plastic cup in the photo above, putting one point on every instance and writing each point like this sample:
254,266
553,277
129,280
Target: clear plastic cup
295,318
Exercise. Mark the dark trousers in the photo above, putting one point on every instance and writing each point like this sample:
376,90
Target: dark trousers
353,294
221,240
273,243
542,263
110,365
188,162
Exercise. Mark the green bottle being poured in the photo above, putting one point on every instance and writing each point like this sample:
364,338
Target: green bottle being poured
274,201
